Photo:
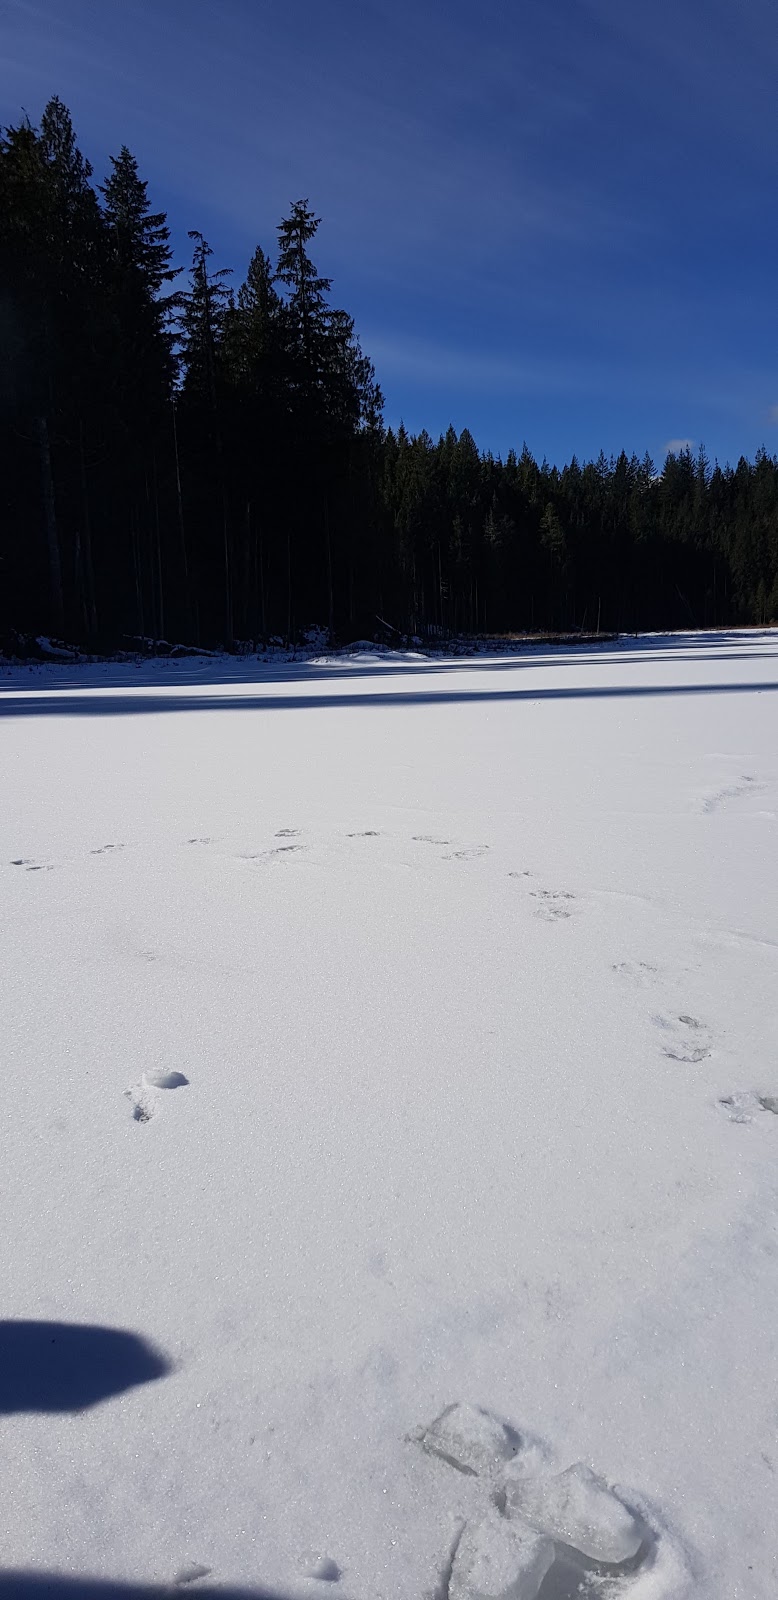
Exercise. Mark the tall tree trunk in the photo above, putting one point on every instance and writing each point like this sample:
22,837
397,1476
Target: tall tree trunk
261,584
289,585
50,524
88,606
158,552
228,619
249,597
136,562
188,617
330,594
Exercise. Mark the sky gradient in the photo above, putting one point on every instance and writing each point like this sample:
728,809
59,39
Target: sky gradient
552,221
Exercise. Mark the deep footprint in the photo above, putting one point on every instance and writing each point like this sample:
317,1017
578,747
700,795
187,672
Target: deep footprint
144,1096
541,1536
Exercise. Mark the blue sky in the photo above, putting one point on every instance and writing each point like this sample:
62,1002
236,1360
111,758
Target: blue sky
554,220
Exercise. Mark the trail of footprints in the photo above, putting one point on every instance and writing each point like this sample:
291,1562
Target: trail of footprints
685,1038
540,1534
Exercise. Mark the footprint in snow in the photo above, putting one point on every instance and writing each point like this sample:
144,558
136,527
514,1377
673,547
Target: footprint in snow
365,833
287,833
430,838
105,849
33,866
322,1568
538,1533
640,973
686,1038
553,904
272,854
144,1096
746,1106
469,853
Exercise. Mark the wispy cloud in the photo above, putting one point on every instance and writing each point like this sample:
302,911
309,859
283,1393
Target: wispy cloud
673,447
435,365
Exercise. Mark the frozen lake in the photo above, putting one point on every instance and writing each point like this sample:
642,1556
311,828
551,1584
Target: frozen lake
380,1035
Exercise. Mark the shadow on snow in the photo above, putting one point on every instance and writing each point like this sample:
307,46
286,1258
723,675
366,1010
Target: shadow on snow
60,703
65,1366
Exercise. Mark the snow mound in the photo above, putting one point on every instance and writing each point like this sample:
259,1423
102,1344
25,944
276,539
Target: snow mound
499,1560
578,1508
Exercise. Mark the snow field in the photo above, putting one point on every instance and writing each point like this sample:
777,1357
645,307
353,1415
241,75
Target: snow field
387,1042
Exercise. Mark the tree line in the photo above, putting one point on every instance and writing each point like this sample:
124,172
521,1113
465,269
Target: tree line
211,464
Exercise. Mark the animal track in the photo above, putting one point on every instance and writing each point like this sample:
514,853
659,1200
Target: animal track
104,849
746,1106
144,1096
199,841
469,853
687,1037
540,1534
366,833
429,838
554,903
288,833
33,866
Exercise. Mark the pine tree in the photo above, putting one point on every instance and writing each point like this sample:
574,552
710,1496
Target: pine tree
206,311
143,366
256,332
140,237
307,303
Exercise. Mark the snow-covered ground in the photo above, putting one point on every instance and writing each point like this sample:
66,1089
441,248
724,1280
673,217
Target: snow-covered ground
379,1036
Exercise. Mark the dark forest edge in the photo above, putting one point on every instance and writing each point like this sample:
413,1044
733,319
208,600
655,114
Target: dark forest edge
213,467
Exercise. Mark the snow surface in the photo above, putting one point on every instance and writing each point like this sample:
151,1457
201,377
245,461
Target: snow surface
379,1036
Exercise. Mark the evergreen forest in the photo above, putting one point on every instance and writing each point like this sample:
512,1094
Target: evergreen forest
188,457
